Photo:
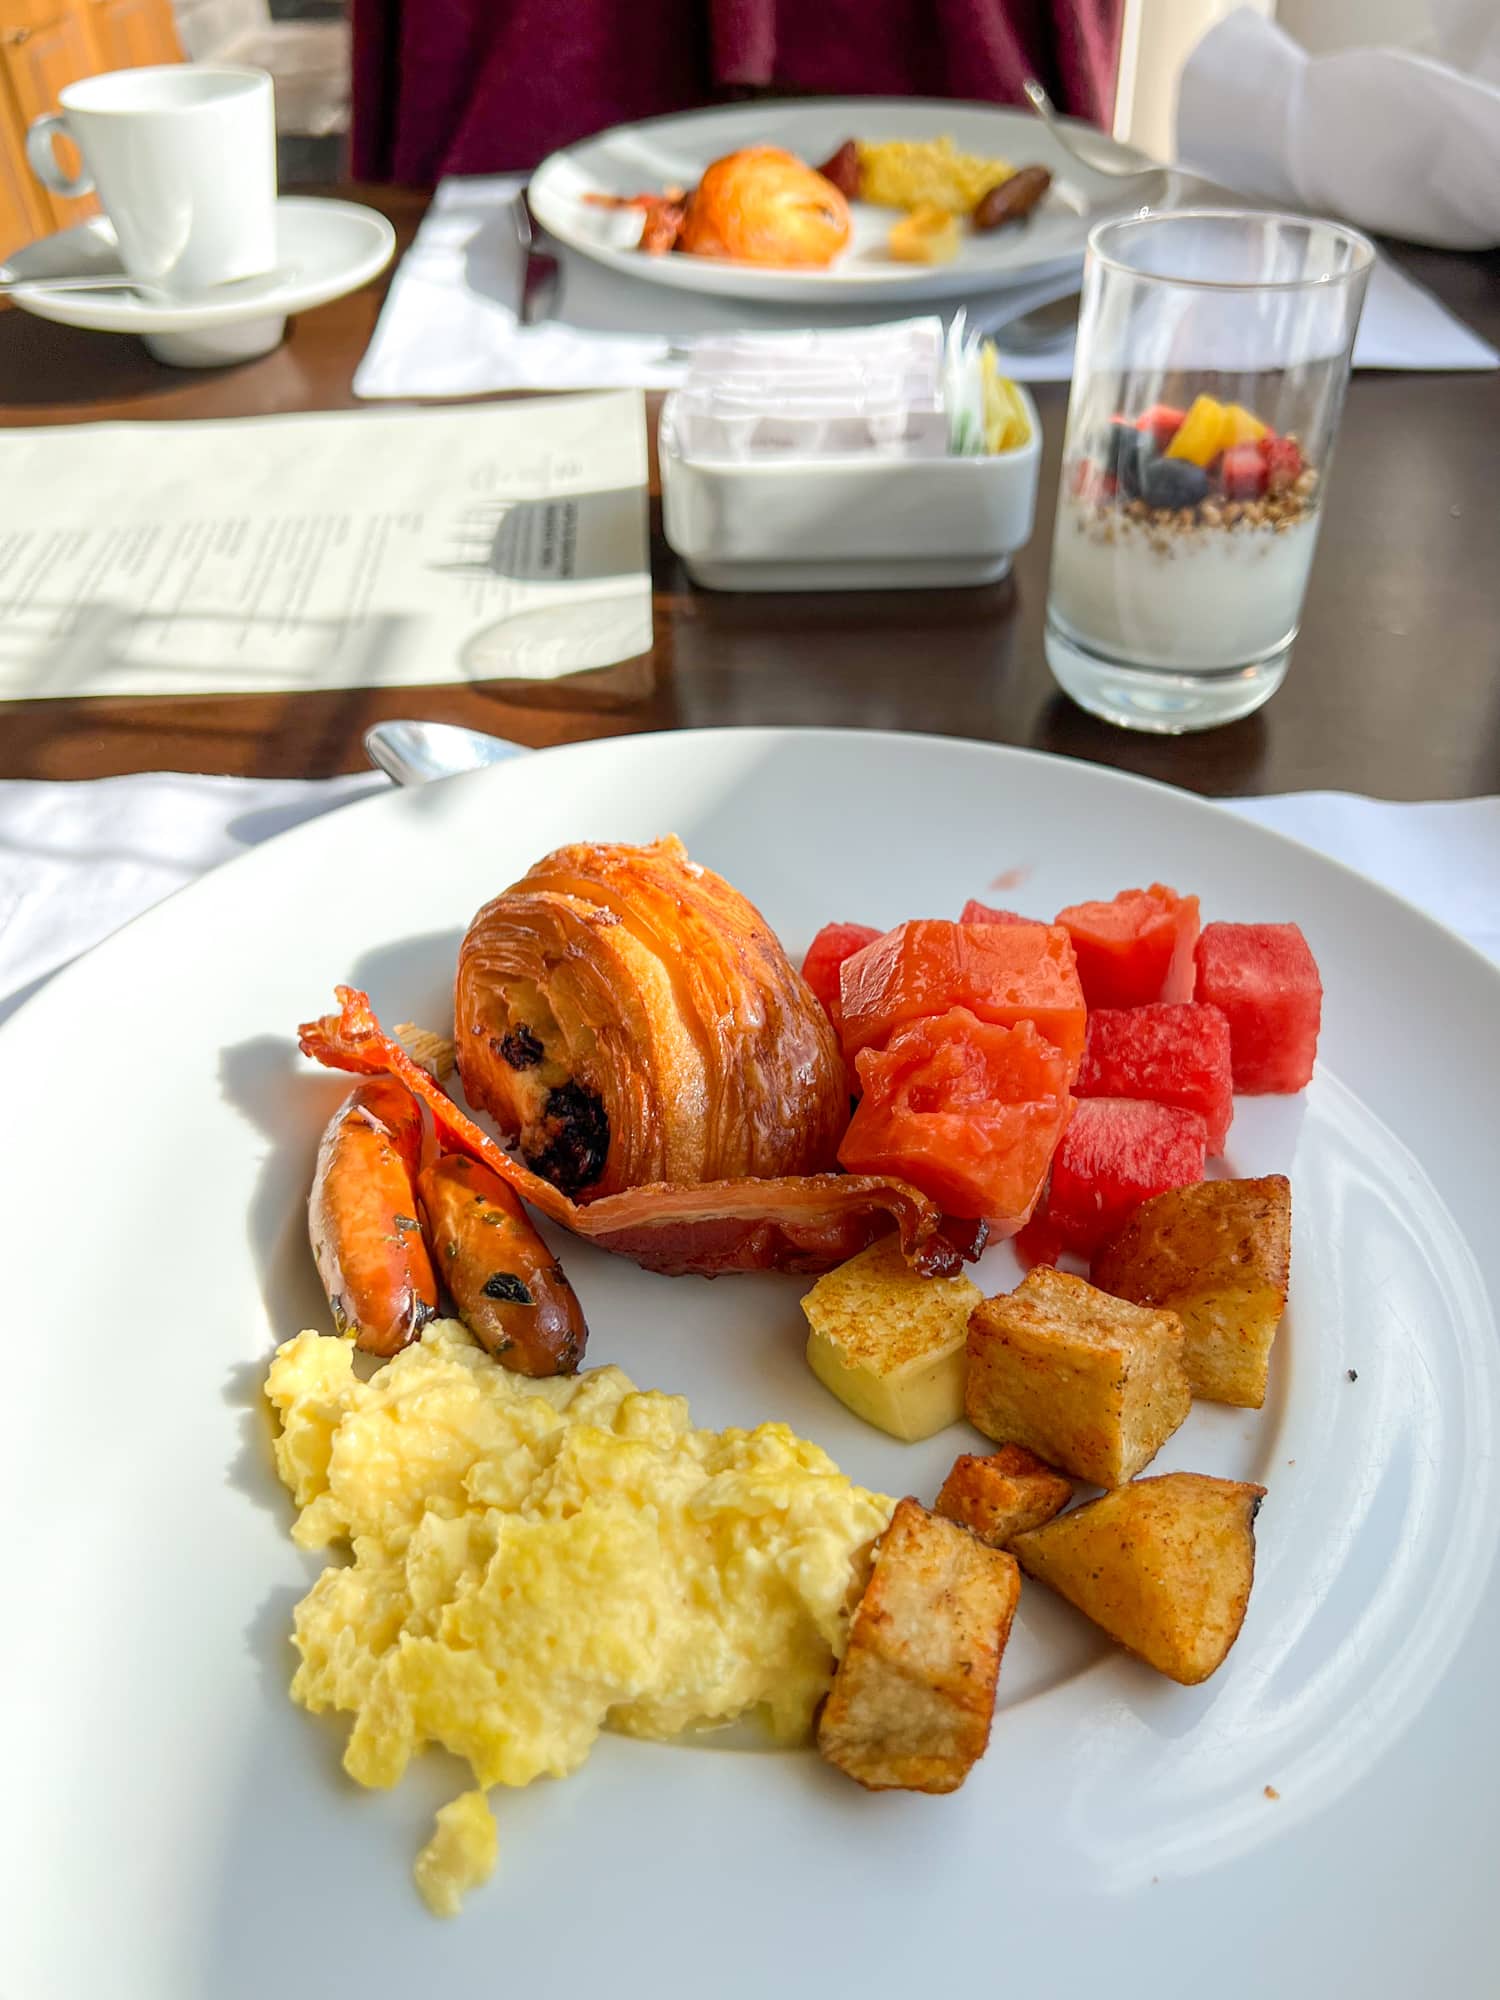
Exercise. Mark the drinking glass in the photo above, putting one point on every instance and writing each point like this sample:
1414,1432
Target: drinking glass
1213,354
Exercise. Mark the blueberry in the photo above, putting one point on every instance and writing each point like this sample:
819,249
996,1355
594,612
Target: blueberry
1118,453
1147,451
1173,482
1126,452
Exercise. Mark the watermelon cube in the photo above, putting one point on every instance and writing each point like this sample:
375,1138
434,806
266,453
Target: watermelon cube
1264,980
1169,1053
825,960
1136,949
1116,1153
975,912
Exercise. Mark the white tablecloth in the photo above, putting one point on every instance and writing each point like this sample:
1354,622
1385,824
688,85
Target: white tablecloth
79,860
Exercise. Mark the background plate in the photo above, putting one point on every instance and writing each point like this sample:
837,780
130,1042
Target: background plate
170,1826
664,152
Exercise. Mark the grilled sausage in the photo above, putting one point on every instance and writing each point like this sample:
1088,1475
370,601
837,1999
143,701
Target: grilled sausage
842,168
362,1218
511,1292
1012,200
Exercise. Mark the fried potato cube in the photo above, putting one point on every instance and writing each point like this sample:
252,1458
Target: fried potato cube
1091,1384
1002,1495
888,1344
928,235
1164,1566
914,1694
1218,1255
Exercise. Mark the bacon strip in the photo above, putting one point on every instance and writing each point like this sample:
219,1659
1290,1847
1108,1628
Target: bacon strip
801,1223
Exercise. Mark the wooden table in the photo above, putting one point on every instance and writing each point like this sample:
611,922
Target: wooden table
1395,689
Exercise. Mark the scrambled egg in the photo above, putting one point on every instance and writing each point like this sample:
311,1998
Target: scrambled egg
460,1854
534,1561
925,173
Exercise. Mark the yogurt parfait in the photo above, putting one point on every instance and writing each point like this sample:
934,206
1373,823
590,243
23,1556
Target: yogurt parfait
1212,357
1184,538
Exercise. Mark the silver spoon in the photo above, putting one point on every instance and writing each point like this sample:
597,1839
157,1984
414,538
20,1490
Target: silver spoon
115,282
414,752
1044,108
119,281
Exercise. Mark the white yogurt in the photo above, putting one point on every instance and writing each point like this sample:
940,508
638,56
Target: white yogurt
1206,598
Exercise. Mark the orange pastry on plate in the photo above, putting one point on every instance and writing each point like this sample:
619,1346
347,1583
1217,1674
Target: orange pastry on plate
764,206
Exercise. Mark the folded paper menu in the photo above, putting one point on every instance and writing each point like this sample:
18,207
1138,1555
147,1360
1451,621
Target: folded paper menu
267,555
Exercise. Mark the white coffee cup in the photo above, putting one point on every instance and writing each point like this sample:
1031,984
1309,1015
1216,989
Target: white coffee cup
184,160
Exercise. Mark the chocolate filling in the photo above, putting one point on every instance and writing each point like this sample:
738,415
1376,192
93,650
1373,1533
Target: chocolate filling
575,1135
520,1048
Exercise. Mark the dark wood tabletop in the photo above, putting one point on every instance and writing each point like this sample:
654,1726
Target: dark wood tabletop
1394,689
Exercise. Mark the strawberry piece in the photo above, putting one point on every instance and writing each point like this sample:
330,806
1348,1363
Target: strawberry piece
1242,472
1087,481
1283,462
1162,422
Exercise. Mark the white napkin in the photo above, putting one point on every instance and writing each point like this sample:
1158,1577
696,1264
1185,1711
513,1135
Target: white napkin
79,860
449,323
1394,140
450,326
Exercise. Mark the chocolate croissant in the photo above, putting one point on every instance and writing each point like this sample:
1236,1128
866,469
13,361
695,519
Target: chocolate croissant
627,1019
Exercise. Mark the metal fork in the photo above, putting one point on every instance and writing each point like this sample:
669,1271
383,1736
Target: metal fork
1044,108
541,276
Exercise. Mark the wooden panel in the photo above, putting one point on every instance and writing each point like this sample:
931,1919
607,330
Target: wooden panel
38,63
33,14
132,33
23,217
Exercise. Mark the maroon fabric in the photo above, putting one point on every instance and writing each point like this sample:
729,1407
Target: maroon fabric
485,86
978,49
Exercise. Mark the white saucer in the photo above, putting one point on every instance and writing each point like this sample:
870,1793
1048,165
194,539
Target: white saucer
323,249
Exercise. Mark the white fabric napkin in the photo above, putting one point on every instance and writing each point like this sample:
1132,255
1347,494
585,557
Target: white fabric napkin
449,325
79,860
1396,140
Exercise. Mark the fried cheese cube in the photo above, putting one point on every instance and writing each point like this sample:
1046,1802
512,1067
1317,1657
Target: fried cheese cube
914,1694
889,1344
1164,1566
1219,1256
1002,1495
1091,1384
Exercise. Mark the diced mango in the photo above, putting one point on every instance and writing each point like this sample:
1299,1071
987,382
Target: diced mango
1200,436
1241,426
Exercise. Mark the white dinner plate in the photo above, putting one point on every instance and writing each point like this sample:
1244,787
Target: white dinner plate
673,151
1318,1817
